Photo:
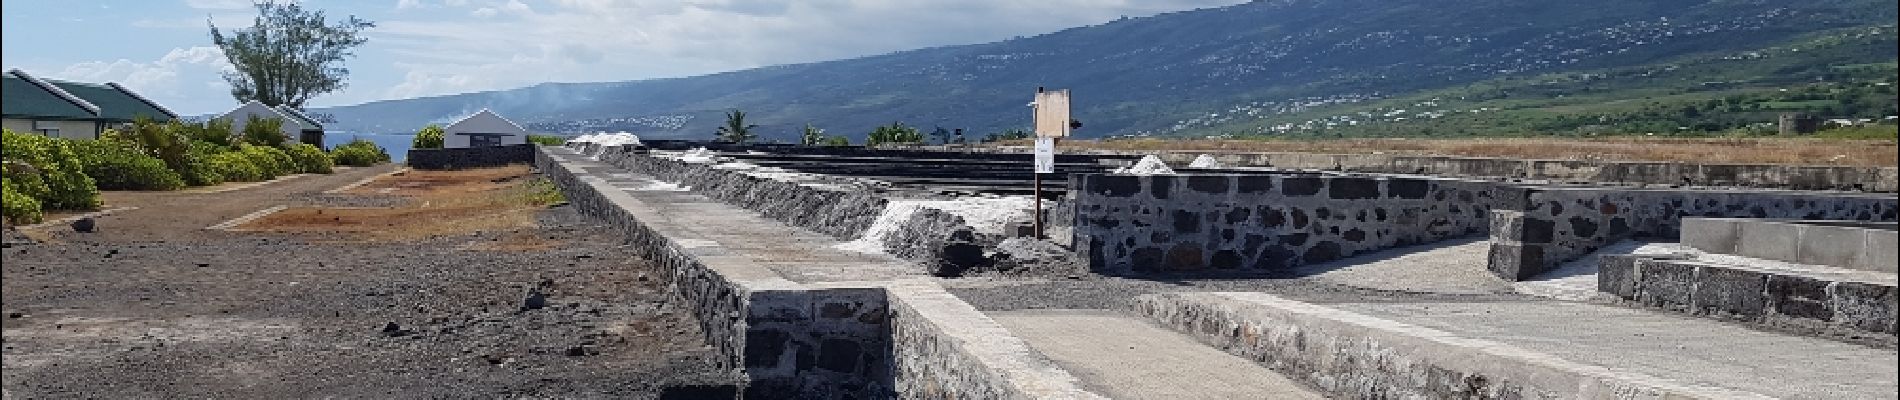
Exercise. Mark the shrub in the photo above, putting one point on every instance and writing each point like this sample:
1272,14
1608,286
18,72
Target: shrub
216,131
234,167
546,140
360,153
264,131
16,207
430,137
896,132
118,165
269,160
309,159
46,170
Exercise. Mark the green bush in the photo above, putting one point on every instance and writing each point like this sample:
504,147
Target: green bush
234,167
360,153
118,165
47,170
267,132
430,137
269,160
309,159
547,140
16,207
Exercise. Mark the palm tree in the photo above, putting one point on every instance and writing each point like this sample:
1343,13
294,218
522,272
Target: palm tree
736,130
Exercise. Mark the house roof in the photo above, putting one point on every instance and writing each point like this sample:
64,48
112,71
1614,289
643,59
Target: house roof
485,121
115,102
257,109
28,96
308,123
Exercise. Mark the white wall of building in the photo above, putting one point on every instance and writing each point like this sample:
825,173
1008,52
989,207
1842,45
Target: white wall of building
82,130
242,115
457,135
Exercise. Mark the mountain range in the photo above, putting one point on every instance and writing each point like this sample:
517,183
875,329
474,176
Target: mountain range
1188,72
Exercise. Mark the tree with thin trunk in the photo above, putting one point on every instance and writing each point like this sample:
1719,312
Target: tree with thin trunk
289,54
736,130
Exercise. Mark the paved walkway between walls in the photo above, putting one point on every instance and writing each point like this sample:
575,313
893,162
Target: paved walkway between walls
1450,267
795,253
1125,357
1682,349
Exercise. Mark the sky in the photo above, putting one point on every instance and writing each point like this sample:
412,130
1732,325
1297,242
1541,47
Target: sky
163,50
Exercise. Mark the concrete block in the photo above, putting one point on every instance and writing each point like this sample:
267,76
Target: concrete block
1714,235
1516,262
1879,253
1799,298
1831,246
1770,241
1616,275
1729,293
1666,284
1864,306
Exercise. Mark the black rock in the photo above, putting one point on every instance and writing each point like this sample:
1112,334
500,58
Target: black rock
84,225
392,329
535,301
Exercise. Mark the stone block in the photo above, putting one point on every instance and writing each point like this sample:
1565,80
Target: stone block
1864,306
1711,234
1666,284
1210,184
1113,185
1254,184
1300,187
1408,188
1769,240
1799,298
1516,262
1617,274
1353,188
1829,245
1729,293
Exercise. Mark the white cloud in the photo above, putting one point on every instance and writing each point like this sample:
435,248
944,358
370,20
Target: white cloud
188,76
604,40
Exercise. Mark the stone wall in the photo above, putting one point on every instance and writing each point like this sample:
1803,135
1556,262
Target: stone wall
1355,356
1870,246
1802,177
471,157
1267,222
946,349
791,340
1860,309
1554,225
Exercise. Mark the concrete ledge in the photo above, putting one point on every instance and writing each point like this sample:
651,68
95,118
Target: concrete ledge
1351,355
1855,305
946,349
1846,244
471,157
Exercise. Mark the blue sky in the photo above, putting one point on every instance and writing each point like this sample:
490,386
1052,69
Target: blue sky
162,48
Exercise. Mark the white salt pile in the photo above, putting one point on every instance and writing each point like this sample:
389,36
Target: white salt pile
699,155
895,214
1205,161
1149,165
985,215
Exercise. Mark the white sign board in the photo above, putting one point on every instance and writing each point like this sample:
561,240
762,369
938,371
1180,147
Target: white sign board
1045,155
1052,113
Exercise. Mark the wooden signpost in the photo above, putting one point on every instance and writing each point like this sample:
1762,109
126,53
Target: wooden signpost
1052,123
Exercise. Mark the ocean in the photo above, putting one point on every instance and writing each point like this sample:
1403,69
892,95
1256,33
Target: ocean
397,144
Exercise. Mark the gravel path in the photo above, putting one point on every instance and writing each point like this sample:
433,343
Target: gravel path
154,306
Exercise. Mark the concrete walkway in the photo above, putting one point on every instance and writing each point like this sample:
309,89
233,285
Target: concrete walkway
1682,349
1126,357
1449,267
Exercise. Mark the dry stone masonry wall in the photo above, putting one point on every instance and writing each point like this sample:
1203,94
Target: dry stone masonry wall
471,157
1269,222
1552,226
1848,307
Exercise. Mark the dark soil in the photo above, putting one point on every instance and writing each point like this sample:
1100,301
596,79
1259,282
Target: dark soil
154,306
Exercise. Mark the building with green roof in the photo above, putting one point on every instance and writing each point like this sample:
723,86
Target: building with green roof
71,110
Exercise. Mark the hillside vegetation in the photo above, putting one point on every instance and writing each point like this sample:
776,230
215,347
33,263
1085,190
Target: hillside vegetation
1233,70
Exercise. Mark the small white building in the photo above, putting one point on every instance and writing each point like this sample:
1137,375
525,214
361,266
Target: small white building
296,126
483,128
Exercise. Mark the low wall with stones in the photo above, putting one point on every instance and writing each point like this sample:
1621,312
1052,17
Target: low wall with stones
471,157
1800,177
1858,307
1356,356
1554,225
1270,222
790,339
904,339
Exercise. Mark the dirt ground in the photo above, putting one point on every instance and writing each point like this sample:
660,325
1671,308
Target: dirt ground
153,305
